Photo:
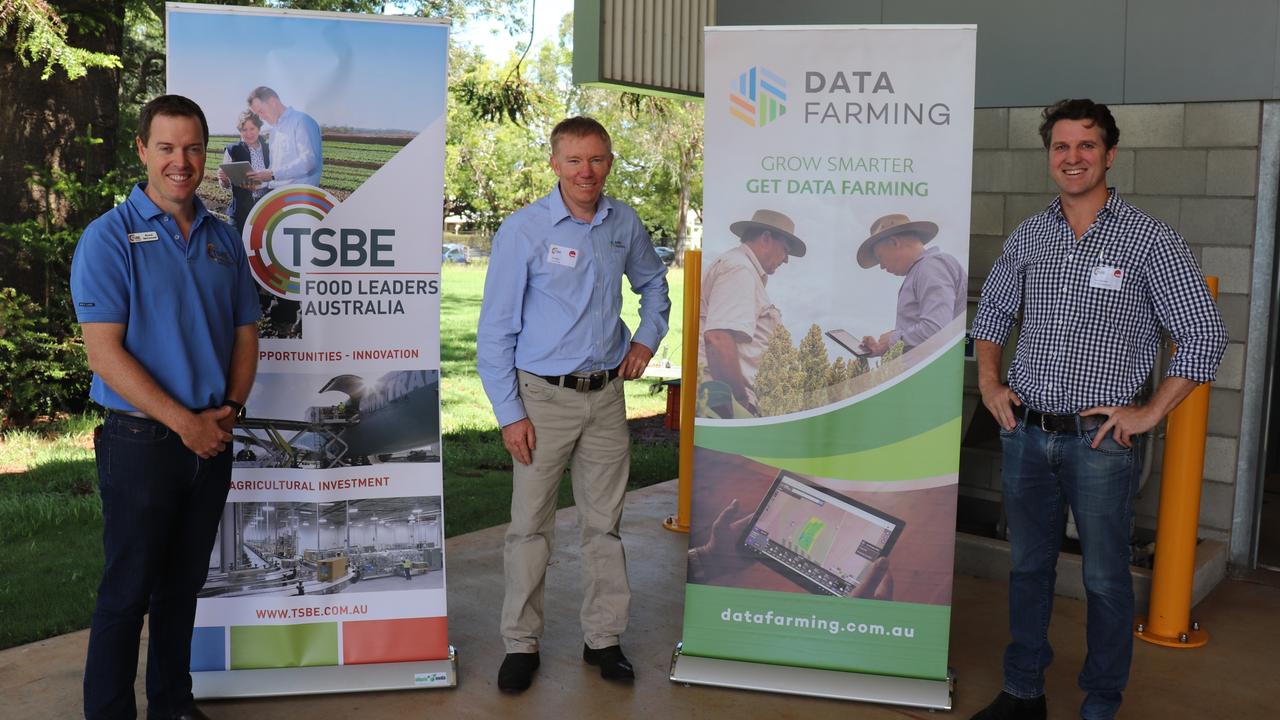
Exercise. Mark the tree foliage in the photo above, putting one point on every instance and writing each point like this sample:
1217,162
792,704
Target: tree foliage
40,36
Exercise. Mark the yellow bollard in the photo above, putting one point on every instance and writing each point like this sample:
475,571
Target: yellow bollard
688,390
1168,621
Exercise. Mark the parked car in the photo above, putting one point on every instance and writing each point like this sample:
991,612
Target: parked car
455,253
665,254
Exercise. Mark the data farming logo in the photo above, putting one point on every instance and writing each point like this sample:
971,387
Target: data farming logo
758,97
274,231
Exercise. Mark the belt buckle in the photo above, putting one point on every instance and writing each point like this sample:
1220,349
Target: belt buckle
1043,416
581,384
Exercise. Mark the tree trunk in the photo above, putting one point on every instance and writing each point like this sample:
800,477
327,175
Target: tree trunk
41,119
686,190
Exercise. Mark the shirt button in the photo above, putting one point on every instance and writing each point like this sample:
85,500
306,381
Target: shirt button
1064,288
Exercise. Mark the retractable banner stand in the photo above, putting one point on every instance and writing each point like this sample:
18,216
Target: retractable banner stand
328,572
831,350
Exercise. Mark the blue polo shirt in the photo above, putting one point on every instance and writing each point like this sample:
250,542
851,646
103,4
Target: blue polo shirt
181,300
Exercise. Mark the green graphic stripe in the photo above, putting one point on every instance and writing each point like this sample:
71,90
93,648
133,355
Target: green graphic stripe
920,403
280,646
870,636
928,454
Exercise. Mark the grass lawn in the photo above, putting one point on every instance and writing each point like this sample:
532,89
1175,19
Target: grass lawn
51,516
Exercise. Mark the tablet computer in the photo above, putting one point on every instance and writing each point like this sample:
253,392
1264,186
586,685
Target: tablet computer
817,537
849,342
237,172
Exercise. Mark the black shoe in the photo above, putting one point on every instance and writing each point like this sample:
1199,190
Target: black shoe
1008,707
516,673
612,663
191,714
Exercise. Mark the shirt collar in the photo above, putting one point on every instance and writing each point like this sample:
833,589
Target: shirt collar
755,262
1113,207
559,211
148,209
927,252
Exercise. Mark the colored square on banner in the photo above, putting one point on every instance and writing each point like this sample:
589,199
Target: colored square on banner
208,649
379,641
277,646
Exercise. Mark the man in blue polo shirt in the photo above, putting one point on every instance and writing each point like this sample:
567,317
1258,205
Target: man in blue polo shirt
552,352
168,311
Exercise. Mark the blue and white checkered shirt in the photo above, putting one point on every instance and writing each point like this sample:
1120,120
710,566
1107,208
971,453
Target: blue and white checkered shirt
1084,343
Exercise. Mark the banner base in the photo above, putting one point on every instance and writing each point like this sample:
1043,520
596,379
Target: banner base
327,679
814,682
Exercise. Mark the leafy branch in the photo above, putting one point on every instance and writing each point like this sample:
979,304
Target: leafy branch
41,36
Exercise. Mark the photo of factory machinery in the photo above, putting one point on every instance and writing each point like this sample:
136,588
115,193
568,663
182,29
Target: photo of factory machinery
291,548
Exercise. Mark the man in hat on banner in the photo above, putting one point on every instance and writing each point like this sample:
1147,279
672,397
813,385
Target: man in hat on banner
736,317
934,283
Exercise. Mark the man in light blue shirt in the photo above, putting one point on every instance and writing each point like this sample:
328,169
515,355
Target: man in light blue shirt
296,157
552,352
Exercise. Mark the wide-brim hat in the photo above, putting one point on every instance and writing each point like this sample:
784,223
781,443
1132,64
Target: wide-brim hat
888,226
778,224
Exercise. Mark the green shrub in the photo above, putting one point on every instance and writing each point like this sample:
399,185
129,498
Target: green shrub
44,369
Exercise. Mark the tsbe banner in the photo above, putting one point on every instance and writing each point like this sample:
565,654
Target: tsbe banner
838,165
327,154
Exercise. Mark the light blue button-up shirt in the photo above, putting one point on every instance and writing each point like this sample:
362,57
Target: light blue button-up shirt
295,150
553,296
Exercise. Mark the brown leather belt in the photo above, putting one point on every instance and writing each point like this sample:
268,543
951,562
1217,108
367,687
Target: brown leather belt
583,383
1073,423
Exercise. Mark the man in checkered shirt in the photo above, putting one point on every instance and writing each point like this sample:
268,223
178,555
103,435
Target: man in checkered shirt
1095,279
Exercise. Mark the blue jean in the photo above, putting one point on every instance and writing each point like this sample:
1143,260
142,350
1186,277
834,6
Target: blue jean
1041,471
161,504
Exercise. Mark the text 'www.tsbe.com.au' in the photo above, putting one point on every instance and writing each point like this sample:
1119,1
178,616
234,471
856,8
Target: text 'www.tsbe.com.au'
813,622
311,612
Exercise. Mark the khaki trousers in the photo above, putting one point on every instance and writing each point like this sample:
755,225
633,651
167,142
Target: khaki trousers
587,431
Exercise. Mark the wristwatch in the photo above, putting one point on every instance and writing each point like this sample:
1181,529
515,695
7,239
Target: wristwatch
239,408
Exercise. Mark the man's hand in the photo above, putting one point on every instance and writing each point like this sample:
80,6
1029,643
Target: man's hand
223,180
260,175
1123,423
1000,401
878,346
635,362
726,529
878,584
204,434
519,439
228,423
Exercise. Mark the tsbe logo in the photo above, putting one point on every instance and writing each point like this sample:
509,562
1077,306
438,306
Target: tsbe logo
758,97
273,234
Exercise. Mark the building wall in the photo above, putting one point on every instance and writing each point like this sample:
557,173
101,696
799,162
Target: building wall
1193,165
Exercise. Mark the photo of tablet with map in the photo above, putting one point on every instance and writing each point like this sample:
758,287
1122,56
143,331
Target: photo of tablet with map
817,537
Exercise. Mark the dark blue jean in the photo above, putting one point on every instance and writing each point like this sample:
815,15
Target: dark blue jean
1043,473
161,505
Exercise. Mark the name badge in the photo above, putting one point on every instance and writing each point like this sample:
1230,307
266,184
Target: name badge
1106,277
559,255
142,237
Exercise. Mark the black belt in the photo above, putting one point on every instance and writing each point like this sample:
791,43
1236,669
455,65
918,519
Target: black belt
583,383
1073,423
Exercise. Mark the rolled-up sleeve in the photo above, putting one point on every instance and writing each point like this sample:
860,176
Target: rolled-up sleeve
648,278
1186,309
501,314
1001,295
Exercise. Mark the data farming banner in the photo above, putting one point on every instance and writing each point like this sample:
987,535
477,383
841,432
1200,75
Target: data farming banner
327,154
832,317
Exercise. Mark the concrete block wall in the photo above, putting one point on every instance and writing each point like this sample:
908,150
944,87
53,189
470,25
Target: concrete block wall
1193,165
